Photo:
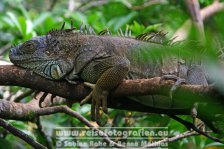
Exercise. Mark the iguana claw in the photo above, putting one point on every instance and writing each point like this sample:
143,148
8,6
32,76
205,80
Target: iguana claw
177,83
90,85
43,97
88,97
99,98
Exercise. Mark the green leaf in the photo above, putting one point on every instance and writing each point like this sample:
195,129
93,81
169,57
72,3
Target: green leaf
41,18
13,21
6,144
79,17
118,22
137,28
22,25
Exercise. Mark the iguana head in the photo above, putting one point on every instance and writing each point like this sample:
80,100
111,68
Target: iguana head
42,55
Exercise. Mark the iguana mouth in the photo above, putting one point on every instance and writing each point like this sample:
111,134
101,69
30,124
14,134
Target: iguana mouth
39,66
17,57
27,59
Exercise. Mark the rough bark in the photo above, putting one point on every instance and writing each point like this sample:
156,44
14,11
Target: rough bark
15,76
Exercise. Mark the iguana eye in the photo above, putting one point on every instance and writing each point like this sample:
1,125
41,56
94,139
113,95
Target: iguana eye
28,47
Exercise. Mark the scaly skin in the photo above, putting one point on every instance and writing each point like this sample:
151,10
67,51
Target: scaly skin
102,60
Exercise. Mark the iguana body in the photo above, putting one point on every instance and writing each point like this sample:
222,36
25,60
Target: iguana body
102,60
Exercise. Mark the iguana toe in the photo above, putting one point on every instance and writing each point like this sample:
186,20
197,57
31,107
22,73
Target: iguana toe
99,99
178,82
90,85
42,98
86,99
52,98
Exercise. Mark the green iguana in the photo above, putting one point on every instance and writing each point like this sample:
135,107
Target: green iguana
103,60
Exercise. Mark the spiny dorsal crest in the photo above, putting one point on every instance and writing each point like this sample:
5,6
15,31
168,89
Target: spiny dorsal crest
83,31
62,31
105,32
127,32
87,30
155,37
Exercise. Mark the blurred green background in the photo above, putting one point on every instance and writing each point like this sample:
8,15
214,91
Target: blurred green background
22,19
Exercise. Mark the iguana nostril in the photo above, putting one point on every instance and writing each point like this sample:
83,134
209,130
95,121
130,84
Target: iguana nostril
12,51
15,52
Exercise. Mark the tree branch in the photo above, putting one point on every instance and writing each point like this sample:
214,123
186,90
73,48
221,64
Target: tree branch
31,110
42,133
21,135
12,75
194,9
23,95
206,12
210,10
15,76
192,126
91,4
172,139
146,4
4,48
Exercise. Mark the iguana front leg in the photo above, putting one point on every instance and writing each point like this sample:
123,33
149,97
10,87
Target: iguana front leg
107,73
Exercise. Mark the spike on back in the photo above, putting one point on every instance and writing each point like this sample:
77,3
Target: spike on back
120,32
71,24
62,31
85,30
63,25
155,37
105,32
88,30
127,32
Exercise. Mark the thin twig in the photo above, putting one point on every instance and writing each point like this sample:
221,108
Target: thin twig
23,95
192,126
194,9
44,136
21,135
172,139
31,110
4,48
210,10
69,111
52,5
147,4
91,4
206,12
